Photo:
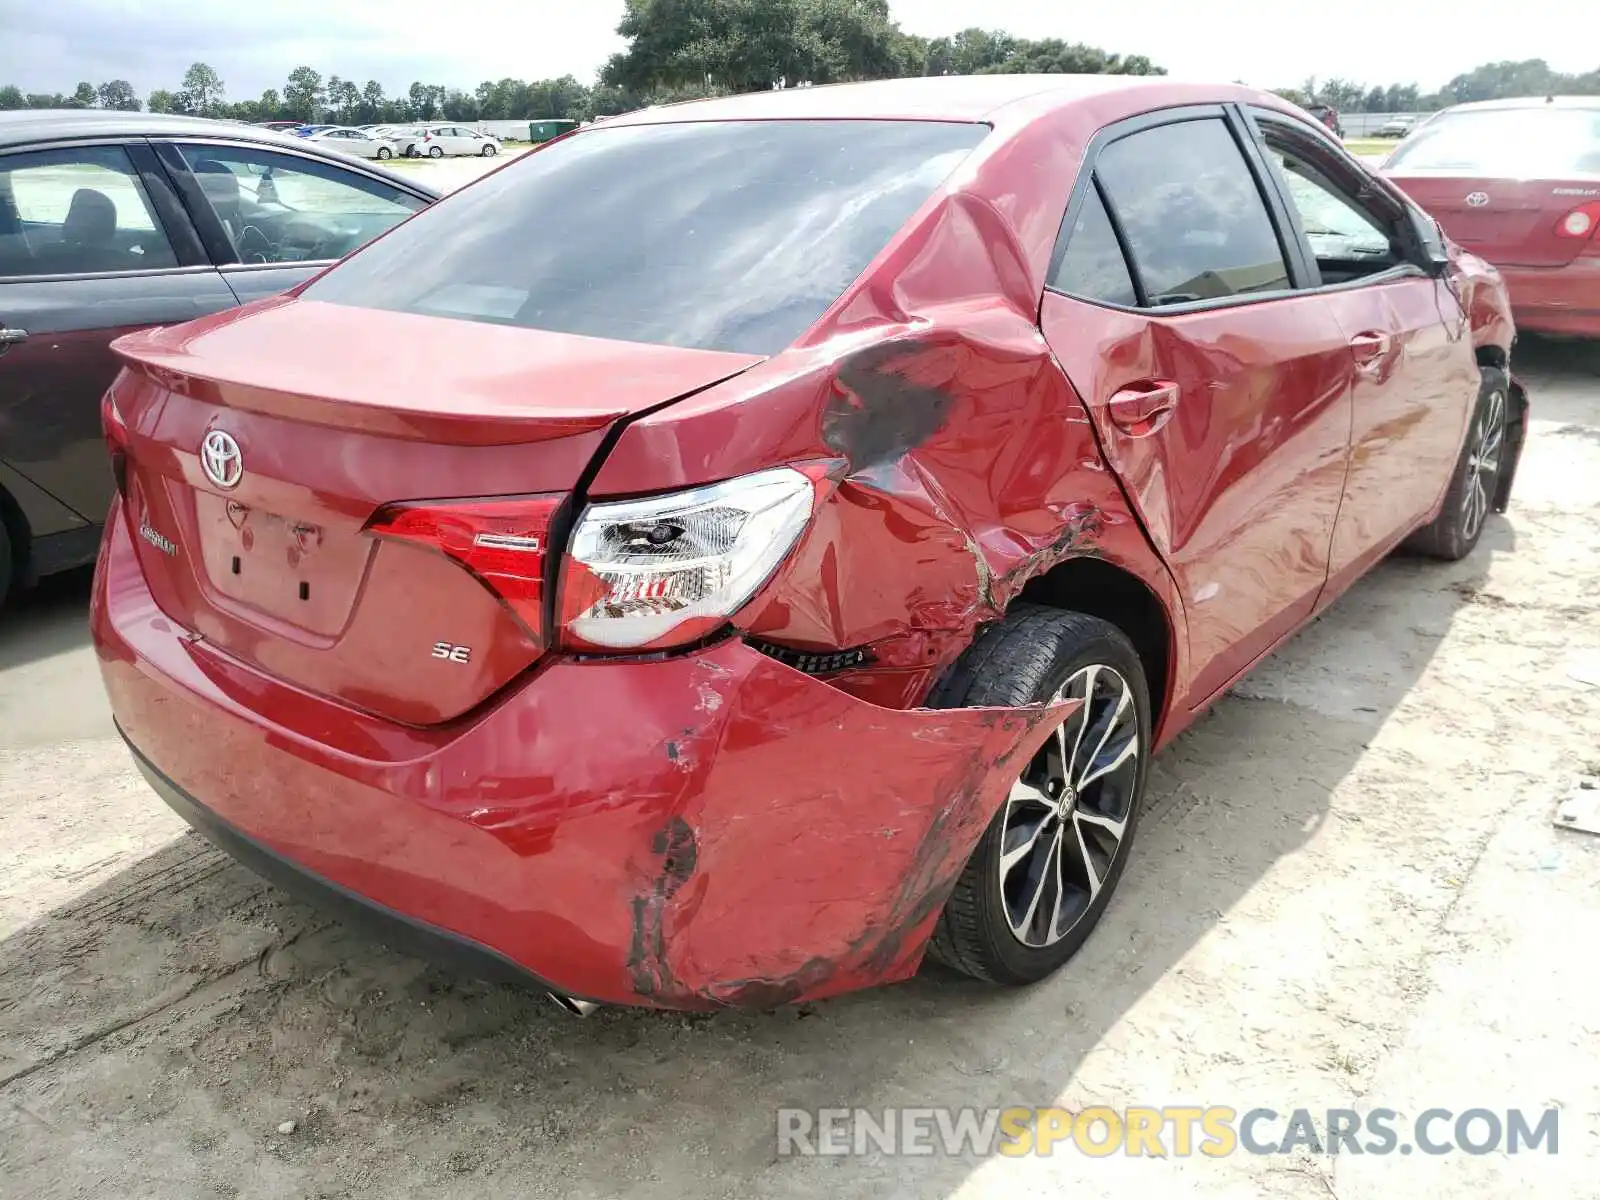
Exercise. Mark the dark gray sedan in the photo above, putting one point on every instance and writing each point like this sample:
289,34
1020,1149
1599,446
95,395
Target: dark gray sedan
114,221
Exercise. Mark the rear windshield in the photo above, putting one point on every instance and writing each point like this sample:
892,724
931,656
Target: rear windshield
709,235
1513,143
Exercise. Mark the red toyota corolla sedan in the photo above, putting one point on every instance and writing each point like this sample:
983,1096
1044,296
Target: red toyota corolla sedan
1518,182
737,550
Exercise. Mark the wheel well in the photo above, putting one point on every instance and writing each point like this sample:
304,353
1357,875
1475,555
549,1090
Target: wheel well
1493,356
16,526
1100,589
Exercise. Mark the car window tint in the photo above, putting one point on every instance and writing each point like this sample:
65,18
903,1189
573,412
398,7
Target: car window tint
1093,266
1545,142
714,235
1194,218
77,211
277,208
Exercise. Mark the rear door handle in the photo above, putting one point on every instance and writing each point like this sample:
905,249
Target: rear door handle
1370,349
1144,408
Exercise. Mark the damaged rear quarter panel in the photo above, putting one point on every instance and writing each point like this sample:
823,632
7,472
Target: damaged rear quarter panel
962,464
815,836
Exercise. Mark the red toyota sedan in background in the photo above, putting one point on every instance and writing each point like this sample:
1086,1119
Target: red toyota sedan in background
721,557
1518,183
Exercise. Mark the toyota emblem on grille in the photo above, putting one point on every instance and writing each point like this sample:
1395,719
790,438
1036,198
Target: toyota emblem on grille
1477,199
220,459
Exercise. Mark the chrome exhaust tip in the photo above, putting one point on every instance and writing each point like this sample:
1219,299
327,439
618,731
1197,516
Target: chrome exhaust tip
572,1006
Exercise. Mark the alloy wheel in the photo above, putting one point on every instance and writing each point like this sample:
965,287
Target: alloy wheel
1483,463
1066,815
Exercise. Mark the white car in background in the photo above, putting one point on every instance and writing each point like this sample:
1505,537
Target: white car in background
355,142
441,140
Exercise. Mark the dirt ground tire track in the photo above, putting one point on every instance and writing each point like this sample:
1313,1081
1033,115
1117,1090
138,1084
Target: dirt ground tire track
1346,875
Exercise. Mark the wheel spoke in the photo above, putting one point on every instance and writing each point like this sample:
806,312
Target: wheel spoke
1028,842
1112,825
1069,757
1122,758
1090,773
1091,873
1045,871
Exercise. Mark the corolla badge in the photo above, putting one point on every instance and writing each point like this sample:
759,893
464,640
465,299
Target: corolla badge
220,459
1477,199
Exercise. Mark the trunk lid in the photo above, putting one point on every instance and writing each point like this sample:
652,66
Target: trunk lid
1506,221
329,415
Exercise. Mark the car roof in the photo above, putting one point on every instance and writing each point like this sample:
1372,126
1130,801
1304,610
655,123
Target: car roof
37,125
21,127
1527,102
933,98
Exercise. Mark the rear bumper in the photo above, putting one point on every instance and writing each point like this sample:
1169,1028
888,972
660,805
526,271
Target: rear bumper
1556,300
701,831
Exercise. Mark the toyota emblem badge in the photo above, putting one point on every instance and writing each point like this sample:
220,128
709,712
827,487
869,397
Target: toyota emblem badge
1477,199
220,459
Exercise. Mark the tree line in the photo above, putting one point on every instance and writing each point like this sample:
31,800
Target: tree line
683,49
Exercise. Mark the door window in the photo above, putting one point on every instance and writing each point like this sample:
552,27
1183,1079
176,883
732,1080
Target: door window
77,211
276,208
1193,216
1347,241
1093,267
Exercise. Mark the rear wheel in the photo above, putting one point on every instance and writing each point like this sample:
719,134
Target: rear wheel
1044,870
435,151
1455,532
385,152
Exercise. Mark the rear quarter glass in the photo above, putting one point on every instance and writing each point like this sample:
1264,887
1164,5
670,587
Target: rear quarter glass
729,236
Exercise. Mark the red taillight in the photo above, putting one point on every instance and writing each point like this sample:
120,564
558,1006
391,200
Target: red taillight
1581,222
505,543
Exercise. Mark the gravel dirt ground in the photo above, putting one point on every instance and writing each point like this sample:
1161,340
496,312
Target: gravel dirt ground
1347,892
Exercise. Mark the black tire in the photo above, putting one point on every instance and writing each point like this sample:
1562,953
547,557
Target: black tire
1455,532
1026,659
487,152
385,152
435,151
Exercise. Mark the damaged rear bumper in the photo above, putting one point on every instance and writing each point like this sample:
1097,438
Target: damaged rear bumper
710,830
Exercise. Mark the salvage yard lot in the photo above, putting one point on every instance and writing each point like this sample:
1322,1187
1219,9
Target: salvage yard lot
1347,893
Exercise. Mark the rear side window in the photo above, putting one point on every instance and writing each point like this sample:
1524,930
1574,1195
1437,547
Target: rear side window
77,211
1513,143
708,235
1194,218
1093,266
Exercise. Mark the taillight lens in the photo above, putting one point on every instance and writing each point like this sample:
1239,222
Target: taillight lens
504,542
650,574
1580,222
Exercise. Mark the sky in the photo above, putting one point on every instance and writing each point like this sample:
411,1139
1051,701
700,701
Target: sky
49,47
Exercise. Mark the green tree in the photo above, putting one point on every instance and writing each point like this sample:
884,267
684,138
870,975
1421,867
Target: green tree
118,94
11,97
203,90
303,94
749,45
372,102
343,97
82,97
163,101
